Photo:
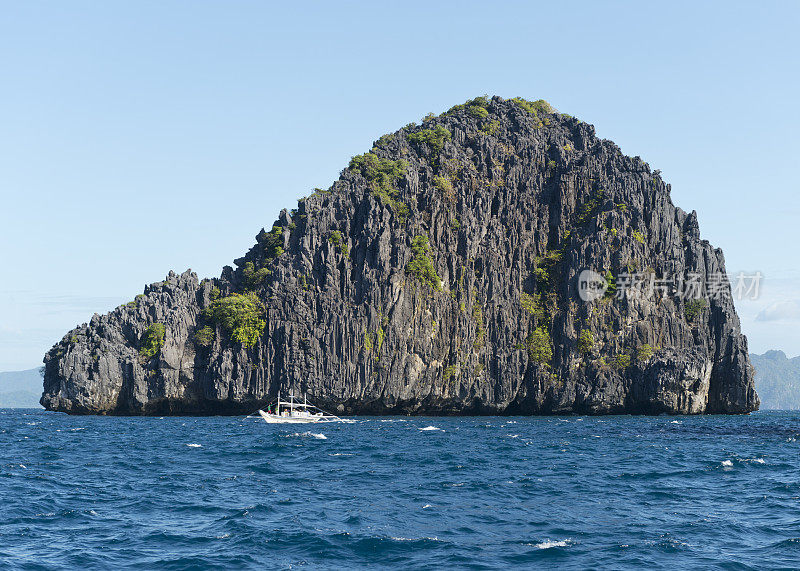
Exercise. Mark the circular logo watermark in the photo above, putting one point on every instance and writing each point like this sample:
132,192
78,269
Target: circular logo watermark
591,285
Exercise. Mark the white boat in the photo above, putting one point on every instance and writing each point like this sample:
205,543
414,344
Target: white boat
291,412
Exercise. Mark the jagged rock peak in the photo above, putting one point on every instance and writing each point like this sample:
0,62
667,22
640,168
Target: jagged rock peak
437,275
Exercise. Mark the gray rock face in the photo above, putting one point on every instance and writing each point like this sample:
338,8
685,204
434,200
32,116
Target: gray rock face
515,201
777,380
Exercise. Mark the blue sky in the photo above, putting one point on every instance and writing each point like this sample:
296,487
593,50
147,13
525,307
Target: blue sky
140,137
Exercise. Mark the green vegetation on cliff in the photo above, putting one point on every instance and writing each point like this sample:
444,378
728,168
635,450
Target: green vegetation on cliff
421,267
241,315
540,347
205,336
152,340
585,342
383,176
337,240
694,308
435,138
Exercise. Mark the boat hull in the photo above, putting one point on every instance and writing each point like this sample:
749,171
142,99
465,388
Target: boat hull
275,419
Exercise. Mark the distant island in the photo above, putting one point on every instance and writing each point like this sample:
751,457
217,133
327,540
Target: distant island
441,274
777,380
21,389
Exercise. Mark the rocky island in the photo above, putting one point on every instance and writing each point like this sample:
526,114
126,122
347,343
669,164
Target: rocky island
438,275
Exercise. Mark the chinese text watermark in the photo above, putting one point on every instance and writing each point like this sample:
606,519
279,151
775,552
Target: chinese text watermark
693,285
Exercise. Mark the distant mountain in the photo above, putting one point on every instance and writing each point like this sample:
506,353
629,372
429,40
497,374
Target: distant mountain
20,389
777,380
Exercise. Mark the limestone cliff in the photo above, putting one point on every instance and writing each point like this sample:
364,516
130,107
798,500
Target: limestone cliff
438,275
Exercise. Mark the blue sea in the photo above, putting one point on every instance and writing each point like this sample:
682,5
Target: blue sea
411,492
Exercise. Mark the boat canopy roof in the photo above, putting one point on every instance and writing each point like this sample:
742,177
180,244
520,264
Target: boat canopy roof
296,404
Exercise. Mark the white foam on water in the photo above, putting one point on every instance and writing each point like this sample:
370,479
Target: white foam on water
76,429
309,434
23,466
676,422
513,435
431,428
414,538
340,454
550,544
727,463
426,506
756,460
194,445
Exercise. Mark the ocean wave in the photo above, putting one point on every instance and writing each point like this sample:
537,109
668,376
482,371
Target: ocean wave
194,445
308,434
431,428
549,544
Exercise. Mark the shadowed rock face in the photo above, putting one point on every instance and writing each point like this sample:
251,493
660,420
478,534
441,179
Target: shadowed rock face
514,201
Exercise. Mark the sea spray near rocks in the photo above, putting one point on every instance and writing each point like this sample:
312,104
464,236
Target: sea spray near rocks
436,276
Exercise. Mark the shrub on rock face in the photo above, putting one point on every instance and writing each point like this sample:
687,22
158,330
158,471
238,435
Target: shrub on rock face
152,340
273,242
477,111
534,107
585,342
383,175
434,138
337,240
421,267
644,352
205,336
694,308
254,278
539,346
621,361
241,315
445,186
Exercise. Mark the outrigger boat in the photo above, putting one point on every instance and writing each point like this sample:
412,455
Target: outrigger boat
291,412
